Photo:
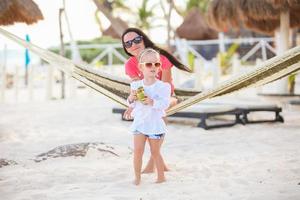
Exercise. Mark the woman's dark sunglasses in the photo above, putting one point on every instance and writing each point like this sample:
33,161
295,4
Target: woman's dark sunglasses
135,40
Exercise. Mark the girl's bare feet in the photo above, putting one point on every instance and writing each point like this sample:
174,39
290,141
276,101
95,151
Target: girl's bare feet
160,180
149,170
137,181
166,169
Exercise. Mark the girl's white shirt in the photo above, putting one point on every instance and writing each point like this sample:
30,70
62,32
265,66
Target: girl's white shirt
149,119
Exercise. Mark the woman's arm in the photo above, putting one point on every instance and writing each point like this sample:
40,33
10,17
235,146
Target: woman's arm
136,78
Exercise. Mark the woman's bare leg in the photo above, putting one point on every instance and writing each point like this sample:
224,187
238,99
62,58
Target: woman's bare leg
139,146
173,102
158,160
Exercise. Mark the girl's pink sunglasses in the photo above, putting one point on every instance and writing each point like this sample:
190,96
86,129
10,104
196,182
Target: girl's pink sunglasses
150,64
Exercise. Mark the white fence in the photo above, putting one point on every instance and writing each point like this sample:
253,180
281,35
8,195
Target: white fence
203,67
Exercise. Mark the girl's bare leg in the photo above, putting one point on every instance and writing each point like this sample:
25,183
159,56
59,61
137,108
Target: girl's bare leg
151,165
157,158
139,146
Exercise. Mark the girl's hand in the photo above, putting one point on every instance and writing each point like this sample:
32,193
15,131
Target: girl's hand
127,114
148,101
132,97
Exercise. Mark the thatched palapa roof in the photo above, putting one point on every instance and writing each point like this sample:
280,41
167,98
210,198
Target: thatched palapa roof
12,11
195,27
258,15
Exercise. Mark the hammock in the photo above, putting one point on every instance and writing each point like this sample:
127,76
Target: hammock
111,86
118,89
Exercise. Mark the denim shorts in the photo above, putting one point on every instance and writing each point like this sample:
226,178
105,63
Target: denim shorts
150,136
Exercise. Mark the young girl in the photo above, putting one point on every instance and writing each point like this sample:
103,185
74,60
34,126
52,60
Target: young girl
148,110
134,42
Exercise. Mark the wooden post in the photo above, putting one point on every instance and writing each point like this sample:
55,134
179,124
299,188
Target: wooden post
198,70
181,47
73,86
281,86
263,50
49,82
176,77
221,42
16,83
76,58
3,75
236,64
261,88
110,60
282,44
216,70
62,52
30,82
297,84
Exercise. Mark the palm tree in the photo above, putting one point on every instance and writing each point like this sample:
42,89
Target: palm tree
201,4
106,8
145,15
167,16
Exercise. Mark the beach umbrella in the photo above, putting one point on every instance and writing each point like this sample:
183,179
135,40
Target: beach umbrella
24,11
263,16
195,27
223,14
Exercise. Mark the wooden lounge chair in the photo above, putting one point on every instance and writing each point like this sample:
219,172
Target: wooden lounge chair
247,108
208,113
204,113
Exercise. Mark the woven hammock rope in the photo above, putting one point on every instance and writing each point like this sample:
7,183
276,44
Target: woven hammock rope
117,89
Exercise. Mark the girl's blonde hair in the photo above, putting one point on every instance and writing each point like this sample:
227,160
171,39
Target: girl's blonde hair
146,52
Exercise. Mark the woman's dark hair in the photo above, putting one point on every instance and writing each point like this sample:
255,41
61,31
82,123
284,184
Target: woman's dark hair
149,44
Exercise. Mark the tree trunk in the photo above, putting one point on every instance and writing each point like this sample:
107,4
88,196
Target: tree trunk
169,23
62,52
116,25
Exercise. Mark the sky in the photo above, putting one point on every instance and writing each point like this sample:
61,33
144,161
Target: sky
45,33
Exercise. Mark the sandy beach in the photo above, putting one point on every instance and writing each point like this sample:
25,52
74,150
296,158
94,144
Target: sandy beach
92,156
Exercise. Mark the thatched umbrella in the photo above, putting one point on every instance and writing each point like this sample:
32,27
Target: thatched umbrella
266,16
258,15
223,14
195,27
25,11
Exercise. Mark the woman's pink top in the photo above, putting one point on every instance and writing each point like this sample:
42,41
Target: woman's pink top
132,70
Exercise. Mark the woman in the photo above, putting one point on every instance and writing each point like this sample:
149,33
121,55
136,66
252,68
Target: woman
134,42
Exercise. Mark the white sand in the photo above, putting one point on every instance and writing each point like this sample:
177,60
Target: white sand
258,161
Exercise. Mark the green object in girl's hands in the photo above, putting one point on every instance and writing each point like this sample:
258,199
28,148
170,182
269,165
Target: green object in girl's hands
140,94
